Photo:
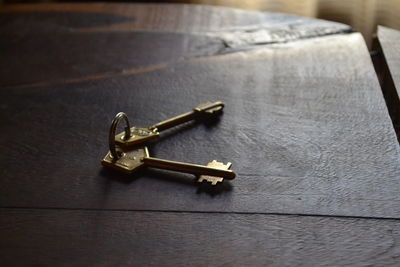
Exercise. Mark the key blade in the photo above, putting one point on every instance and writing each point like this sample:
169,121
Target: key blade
211,179
210,108
214,180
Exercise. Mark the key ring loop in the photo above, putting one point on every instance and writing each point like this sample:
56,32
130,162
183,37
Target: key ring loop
113,128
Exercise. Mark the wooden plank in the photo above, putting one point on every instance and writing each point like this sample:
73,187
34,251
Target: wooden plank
307,132
62,42
161,17
388,42
83,238
62,57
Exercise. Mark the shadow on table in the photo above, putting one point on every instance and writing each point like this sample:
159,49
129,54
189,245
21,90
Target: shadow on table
169,176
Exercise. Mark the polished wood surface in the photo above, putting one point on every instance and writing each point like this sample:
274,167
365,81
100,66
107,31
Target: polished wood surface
305,126
95,41
109,238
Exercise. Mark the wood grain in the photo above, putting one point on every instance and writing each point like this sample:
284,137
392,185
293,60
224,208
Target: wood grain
83,238
59,43
305,125
388,45
307,133
63,57
148,17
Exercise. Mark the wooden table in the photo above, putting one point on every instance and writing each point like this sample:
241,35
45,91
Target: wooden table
305,126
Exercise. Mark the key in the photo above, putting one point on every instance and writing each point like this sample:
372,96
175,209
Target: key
214,179
140,135
129,161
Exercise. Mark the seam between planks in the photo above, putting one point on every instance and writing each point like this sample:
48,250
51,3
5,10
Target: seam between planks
387,85
202,212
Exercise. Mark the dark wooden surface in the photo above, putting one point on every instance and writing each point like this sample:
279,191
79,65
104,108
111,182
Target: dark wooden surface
305,126
94,41
109,238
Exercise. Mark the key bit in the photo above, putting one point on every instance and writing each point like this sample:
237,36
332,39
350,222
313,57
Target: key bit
140,135
213,179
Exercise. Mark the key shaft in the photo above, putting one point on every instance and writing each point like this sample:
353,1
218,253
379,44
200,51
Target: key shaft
129,161
197,112
187,168
140,135
175,121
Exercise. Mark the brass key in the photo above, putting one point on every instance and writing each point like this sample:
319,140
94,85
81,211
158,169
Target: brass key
139,135
215,179
129,161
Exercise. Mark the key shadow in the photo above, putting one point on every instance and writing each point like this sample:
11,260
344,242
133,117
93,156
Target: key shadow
120,177
214,190
166,176
183,178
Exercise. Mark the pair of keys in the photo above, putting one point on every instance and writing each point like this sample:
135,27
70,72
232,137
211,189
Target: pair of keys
132,155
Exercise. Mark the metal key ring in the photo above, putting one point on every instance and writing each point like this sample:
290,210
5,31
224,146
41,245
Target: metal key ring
113,128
